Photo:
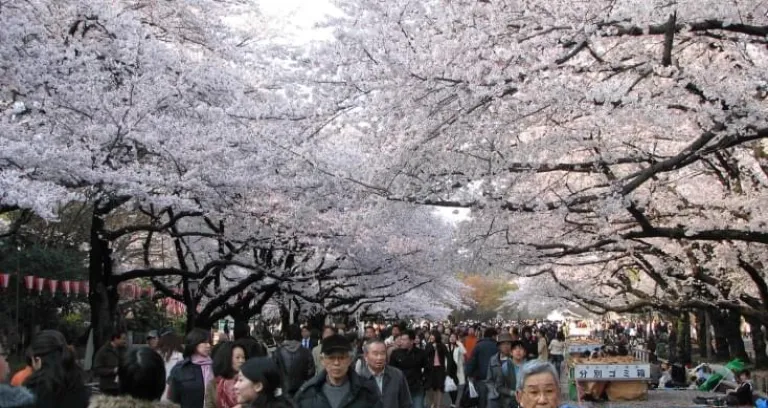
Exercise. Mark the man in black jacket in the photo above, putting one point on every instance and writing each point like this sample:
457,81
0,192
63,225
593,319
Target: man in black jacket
107,360
294,361
338,386
414,364
477,366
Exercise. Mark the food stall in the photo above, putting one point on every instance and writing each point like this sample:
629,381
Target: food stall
618,378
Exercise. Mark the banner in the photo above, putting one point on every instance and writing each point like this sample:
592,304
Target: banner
39,284
66,287
53,285
29,282
612,372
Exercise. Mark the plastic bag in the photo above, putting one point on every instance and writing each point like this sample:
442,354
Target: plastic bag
472,390
450,386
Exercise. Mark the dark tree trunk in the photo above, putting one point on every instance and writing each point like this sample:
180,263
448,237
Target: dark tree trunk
722,350
702,329
103,293
241,329
316,321
758,343
735,341
684,339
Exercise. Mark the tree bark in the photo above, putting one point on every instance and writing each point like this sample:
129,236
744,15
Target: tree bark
720,326
241,329
758,343
684,339
316,321
702,331
99,273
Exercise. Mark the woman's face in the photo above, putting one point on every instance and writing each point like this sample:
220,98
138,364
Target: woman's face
246,390
453,338
204,349
431,338
238,358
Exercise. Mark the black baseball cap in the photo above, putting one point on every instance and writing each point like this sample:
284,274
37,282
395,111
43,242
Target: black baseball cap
335,344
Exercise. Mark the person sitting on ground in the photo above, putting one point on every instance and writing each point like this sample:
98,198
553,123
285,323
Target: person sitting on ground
742,395
258,385
12,396
666,376
141,382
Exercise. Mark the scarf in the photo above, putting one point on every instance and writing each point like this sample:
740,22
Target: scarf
225,392
205,364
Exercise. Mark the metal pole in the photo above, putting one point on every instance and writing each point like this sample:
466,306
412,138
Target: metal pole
20,344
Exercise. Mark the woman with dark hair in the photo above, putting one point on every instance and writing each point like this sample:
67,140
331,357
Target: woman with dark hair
141,382
437,355
186,384
252,347
228,357
57,380
171,347
258,385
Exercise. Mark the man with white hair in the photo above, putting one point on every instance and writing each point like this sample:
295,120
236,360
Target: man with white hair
538,386
391,382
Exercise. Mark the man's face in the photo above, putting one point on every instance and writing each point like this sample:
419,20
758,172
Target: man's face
405,342
370,333
505,348
395,332
539,391
152,342
337,364
327,333
518,353
376,356
304,333
121,341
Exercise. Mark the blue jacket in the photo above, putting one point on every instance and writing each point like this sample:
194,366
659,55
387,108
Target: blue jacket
186,384
477,367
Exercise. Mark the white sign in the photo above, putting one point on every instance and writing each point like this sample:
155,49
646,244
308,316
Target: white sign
580,348
612,372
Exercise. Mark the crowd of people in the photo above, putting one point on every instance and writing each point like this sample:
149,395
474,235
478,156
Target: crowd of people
388,367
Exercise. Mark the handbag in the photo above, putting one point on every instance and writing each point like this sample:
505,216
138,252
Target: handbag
450,386
470,397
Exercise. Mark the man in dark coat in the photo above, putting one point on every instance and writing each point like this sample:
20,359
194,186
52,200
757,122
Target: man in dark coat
294,361
414,364
390,381
107,360
337,385
477,367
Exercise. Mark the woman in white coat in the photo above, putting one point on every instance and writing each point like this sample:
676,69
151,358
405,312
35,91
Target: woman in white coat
456,353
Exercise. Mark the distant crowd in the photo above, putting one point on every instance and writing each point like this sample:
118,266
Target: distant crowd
394,366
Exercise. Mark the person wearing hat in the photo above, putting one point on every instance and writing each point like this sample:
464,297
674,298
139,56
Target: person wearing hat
153,339
503,372
258,385
337,385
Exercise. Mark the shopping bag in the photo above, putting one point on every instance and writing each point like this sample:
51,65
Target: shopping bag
450,386
469,398
472,390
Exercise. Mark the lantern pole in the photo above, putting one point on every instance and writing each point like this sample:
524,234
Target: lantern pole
20,344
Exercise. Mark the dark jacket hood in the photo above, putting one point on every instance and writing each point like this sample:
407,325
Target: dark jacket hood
12,397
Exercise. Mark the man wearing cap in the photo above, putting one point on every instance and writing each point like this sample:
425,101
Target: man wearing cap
337,386
503,372
391,382
152,339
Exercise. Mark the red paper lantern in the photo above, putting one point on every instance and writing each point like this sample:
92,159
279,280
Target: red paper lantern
53,285
75,287
5,279
86,288
150,292
29,282
66,287
39,284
